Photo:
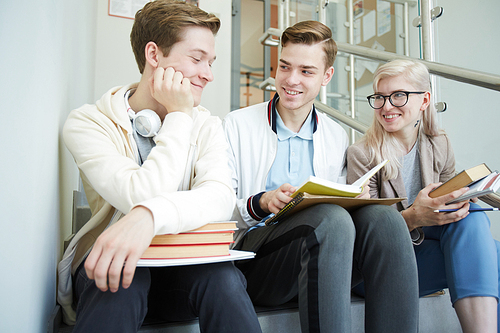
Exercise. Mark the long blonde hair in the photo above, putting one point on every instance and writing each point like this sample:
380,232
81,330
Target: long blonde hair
384,145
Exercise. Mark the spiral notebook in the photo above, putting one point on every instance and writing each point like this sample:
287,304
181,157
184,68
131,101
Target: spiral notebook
304,200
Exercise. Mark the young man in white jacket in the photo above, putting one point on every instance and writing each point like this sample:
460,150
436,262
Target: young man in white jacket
315,254
153,161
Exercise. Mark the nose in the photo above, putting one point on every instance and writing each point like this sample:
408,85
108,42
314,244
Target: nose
387,104
206,73
292,78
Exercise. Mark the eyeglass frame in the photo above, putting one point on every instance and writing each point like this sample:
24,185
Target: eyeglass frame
407,93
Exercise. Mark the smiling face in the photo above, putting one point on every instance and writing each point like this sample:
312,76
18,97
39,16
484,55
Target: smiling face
193,57
400,120
300,75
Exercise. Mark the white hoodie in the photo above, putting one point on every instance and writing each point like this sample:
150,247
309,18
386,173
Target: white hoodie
185,181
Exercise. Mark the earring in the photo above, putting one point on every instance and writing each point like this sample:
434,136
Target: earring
417,123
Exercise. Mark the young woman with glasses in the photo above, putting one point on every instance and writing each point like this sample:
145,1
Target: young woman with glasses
453,250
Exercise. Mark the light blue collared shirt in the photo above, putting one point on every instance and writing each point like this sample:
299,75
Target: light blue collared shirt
294,157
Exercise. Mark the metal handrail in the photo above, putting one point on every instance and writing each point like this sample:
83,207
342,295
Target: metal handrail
347,120
460,74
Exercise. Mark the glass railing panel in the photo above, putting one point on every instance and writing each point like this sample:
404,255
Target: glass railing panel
252,52
378,25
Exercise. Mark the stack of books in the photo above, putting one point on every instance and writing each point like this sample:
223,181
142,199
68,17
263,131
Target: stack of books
211,240
481,181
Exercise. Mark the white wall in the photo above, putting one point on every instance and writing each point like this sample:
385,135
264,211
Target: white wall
115,62
46,66
466,37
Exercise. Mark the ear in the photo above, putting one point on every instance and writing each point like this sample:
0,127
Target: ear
328,76
153,53
426,101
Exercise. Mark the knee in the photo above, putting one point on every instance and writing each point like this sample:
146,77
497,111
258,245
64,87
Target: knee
223,279
380,222
476,225
336,224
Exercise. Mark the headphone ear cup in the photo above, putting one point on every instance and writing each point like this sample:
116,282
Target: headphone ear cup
147,123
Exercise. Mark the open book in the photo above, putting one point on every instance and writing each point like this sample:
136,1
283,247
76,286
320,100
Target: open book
315,191
305,200
318,186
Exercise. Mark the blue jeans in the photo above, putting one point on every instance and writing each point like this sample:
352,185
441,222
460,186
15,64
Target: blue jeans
461,256
317,254
213,292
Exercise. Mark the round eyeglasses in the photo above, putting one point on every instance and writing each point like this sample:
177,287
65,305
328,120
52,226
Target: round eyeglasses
397,99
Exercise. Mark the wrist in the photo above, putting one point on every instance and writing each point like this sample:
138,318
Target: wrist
406,216
263,202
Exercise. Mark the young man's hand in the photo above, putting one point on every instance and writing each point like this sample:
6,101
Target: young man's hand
119,248
172,90
273,201
365,194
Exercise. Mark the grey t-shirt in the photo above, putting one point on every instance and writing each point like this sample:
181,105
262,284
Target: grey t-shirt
411,173
144,145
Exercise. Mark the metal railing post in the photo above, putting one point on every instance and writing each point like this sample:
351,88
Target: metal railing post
352,77
322,18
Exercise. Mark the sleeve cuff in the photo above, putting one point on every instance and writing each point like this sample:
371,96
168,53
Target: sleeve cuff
254,209
417,236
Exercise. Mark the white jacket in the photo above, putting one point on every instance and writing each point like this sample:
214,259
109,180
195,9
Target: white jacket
252,149
185,181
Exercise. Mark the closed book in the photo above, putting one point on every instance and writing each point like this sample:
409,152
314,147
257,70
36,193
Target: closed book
202,237
492,199
487,185
462,179
186,251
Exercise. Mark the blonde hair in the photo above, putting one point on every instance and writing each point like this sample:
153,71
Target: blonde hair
384,145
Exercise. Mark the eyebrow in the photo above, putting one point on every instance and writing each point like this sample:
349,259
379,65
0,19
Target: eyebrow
300,66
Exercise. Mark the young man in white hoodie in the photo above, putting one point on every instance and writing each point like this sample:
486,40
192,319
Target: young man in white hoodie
152,161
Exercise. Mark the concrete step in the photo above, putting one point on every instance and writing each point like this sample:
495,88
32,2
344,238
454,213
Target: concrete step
436,316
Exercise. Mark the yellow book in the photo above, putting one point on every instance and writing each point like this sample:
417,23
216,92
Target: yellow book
318,186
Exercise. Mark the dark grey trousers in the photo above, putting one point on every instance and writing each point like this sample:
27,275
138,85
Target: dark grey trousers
317,255
216,293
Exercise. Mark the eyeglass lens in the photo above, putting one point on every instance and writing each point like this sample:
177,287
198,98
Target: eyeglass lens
397,99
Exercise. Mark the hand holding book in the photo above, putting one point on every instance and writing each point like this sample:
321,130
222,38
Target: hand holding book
316,190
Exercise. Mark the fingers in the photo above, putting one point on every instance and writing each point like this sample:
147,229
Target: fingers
426,190
365,194
273,201
91,261
451,196
171,89
118,248
461,213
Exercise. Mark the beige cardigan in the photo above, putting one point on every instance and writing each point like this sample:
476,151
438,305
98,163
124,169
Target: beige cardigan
437,164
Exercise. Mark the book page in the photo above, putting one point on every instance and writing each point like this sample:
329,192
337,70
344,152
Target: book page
233,255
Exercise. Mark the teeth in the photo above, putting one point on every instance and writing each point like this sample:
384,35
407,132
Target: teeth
292,92
391,116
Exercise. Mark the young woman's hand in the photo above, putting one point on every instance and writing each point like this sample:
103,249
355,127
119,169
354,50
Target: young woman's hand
421,212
